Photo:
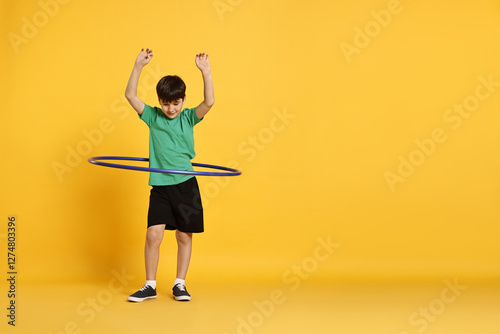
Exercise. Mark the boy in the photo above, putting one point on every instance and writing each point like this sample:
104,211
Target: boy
175,202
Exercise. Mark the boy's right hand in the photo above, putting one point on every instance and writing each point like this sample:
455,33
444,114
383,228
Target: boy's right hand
131,91
144,57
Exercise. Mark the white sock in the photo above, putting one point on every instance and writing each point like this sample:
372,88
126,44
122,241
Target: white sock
178,280
151,284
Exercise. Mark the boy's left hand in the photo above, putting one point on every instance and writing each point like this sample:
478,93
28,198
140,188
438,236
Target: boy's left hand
202,62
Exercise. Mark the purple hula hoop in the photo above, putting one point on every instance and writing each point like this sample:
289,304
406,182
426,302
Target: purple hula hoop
95,161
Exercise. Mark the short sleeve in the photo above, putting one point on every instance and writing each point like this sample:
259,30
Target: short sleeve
149,115
191,116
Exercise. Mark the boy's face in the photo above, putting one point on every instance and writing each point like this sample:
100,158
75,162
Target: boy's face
172,109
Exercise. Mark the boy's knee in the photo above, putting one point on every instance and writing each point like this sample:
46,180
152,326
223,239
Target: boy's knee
183,237
154,234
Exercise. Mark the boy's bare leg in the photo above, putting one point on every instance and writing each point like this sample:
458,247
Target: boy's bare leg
184,246
154,236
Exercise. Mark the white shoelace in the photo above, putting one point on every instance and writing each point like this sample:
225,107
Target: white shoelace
181,286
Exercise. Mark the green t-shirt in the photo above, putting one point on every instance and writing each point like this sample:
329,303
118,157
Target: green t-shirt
171,144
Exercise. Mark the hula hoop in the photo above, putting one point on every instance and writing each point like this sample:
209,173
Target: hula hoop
95,161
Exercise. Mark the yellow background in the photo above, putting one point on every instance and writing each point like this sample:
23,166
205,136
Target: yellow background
319,173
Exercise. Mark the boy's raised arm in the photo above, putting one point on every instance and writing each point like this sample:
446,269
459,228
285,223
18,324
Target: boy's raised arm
208,88
131,91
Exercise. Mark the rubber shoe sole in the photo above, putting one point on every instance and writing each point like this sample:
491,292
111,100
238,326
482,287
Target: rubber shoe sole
182,298
138,299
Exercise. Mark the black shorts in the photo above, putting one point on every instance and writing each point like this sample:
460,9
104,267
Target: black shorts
178,206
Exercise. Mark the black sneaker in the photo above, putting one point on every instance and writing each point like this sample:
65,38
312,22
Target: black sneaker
180,293
146,292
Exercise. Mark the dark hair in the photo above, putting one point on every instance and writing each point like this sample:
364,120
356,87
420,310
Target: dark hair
171,88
